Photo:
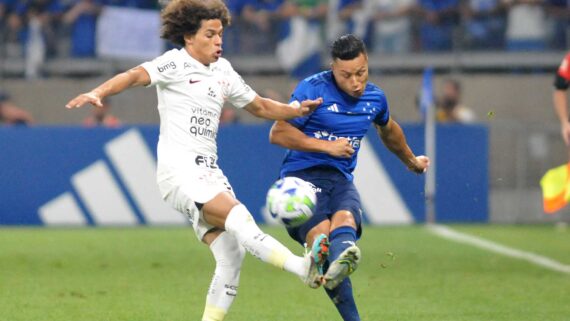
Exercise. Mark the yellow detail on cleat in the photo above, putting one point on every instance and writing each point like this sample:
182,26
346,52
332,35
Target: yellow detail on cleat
212,313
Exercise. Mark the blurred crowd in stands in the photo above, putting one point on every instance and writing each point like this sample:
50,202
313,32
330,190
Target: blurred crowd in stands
46,29
389,26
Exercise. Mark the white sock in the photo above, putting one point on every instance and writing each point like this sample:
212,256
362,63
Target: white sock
242,226
229,256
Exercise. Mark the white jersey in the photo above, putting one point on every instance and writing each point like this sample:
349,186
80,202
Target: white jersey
190,100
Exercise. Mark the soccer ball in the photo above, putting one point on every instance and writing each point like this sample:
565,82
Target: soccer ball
291,200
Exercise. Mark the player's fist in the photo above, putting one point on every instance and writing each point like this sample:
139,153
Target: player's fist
309,105
340,148
419,165
86,98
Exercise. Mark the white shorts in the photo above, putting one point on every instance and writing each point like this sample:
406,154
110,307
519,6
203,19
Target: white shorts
182,189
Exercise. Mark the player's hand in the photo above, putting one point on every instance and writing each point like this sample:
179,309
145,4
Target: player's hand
340,148
86,98
309,105
565,130
419,165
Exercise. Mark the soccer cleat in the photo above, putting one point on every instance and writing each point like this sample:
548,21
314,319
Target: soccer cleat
342,267
317,258
320,251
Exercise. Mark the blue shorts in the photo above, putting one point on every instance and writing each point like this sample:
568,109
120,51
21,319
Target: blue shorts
334,193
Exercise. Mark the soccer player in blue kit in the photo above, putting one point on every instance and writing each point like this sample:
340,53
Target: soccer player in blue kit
322,150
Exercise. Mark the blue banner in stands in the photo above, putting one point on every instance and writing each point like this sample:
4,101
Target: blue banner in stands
75,176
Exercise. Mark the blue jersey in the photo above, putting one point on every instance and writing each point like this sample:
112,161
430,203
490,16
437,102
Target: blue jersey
339,116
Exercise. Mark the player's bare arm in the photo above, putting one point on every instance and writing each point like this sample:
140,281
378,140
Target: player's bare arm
561,108
132,78
270,109
286,135
393,137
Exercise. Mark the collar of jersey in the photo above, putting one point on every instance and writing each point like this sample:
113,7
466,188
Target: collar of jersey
196,62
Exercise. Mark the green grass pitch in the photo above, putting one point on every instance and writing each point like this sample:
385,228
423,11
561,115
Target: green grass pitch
155,274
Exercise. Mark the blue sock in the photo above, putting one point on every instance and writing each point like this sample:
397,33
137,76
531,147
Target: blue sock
340,239
343,299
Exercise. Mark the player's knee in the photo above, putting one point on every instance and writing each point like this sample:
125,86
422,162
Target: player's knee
343,218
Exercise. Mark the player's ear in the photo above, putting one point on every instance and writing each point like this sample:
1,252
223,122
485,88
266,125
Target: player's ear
188,39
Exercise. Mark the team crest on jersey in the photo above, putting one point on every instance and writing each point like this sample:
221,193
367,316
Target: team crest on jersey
211,92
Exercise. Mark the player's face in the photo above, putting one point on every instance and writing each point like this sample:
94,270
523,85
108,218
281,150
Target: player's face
351,75
206,45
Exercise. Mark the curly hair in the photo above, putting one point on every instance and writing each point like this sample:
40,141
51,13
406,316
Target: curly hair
184,17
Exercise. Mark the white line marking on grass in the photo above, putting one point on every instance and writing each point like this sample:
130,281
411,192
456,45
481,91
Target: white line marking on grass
536,259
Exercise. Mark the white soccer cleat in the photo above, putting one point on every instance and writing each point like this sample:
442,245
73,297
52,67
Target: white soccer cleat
342,267
316,258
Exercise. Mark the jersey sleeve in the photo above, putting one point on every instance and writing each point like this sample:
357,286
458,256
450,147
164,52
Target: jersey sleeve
303,91
162,69
240,94
562,78
383,115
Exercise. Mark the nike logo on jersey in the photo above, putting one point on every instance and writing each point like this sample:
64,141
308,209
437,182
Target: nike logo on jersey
194,81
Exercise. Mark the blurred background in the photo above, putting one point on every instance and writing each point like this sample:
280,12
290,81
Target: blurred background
494,63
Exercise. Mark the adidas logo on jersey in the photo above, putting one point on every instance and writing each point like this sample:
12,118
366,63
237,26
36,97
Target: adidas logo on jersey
333,108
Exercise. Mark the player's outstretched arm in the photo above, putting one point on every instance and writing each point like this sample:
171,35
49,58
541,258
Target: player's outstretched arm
270,109
132,78
286,135
393,137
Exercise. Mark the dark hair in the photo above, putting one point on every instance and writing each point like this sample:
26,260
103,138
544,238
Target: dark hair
347,47
184,17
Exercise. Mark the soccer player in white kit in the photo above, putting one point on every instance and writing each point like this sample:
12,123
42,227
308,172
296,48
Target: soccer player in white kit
192,85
